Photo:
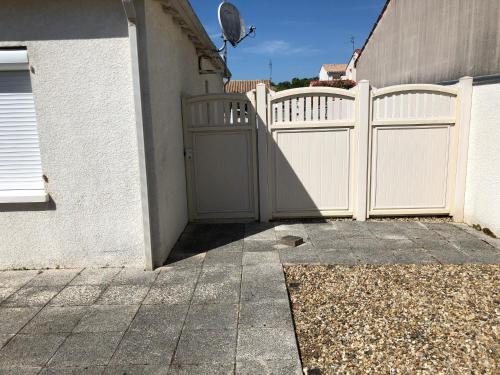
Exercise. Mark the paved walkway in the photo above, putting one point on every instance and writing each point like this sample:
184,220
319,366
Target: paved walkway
219,307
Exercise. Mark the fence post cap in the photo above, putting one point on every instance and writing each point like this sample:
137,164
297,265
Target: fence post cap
465,78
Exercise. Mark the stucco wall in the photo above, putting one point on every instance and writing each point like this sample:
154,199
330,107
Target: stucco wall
82,84
169,69
482,195
428,41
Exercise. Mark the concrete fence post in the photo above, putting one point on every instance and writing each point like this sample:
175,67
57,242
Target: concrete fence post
263,158
464,114
363,128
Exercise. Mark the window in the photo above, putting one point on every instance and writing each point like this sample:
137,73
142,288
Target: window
20,164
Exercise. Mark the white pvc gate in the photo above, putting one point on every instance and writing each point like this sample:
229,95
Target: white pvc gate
313,152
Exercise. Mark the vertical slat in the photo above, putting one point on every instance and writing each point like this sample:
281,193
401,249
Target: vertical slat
308,103
341,112
279,107
294,110
330,108
227,113
322,108
315,112
300,109
287,111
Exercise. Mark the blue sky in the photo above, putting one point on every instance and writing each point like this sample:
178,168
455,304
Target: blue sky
297,35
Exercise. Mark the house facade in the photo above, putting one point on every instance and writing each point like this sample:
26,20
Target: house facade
350,71
438,42
329,72
91,140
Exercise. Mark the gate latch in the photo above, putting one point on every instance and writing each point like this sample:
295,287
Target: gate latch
188,153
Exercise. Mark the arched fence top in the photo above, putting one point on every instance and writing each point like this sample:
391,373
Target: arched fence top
313,91
449,90
216,97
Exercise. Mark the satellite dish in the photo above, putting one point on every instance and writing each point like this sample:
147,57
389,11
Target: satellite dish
231,23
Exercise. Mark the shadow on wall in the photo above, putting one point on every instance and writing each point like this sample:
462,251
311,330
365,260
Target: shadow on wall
34,20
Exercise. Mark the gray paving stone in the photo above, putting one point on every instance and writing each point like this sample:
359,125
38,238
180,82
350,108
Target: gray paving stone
413,256
259,245
95,276
139,348
216,258
374,256
483,256
431,243
292,229
78,295
132,276
54,319
365,244
54,277
86,349
170,294
106,319
263,271
263,367
19,370
471,244
423,234
268,257
206,346
16,279
446,255
260,231
259,344
81,370
300,256
396,244
6,293
203,369
212,316
123,295
159,318
30,350
330,243
218,285
263,290
136,370
31,296
340,256
13,319
177,275
230,247
4,338
266,314
186,260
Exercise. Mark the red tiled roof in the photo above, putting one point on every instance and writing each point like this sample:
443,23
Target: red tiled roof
335,68
243,86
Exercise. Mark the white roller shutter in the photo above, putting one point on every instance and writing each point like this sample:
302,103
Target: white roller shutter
20,164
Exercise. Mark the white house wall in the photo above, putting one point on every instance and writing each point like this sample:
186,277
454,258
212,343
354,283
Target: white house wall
482,196
79,52
171,70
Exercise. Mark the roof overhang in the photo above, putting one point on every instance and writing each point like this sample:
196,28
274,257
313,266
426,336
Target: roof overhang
183,14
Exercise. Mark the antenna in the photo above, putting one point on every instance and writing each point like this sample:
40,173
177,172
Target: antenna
270,70
352,42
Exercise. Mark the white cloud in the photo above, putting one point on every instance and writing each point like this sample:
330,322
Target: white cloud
275,47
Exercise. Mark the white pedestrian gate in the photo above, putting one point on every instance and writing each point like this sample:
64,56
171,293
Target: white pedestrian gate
311,152
220,154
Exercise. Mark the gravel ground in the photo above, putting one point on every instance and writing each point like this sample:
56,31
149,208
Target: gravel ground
402,319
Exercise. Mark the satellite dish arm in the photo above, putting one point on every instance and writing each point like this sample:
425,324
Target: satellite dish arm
251,31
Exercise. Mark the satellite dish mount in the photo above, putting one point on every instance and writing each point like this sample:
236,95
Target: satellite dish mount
233,27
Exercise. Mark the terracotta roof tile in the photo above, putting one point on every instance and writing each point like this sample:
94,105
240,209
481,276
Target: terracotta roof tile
243,86
335,68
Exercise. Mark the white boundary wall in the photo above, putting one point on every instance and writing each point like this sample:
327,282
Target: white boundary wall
482,197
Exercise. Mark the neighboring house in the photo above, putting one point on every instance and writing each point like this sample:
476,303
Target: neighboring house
330,72
431,41
244,86
91,139
350,72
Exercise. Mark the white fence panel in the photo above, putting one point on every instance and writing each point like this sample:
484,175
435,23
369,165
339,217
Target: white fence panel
311,152
220,148
413,150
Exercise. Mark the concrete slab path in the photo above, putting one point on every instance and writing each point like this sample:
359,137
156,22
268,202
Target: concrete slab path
220,305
